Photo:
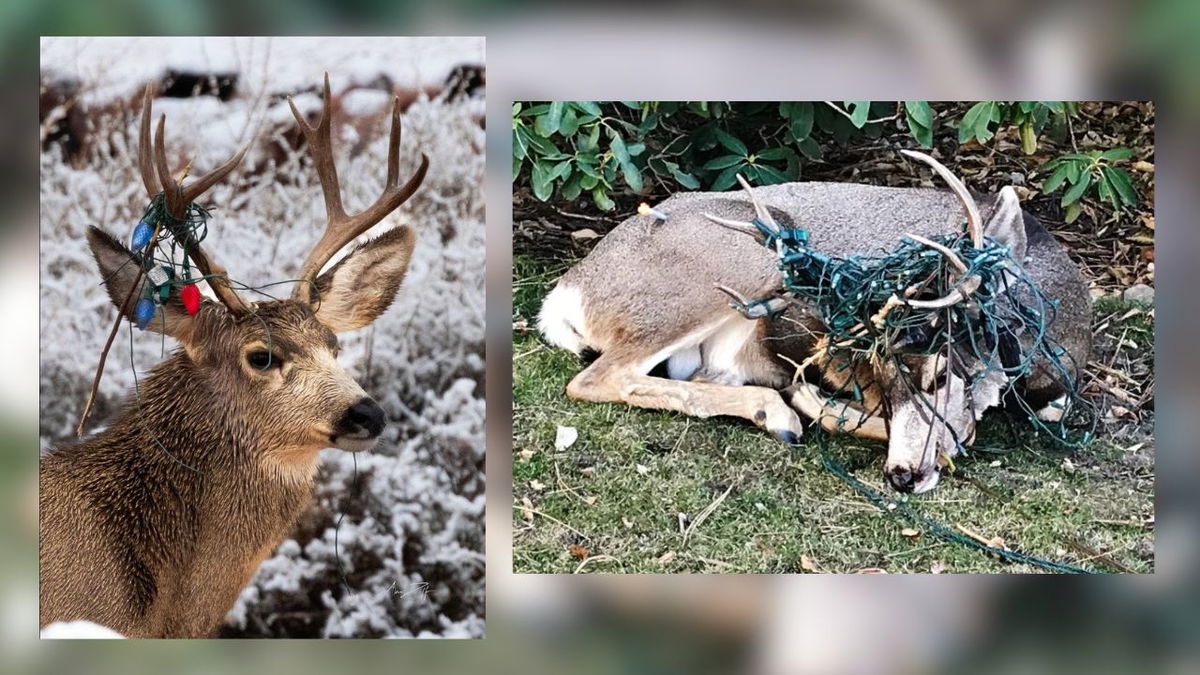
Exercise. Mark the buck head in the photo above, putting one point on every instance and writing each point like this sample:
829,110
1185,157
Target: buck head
934,400
935,406
273,364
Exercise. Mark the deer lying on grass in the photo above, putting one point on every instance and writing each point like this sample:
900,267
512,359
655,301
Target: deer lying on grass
153,526
649,301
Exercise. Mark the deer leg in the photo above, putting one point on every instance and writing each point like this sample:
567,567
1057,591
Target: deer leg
610,381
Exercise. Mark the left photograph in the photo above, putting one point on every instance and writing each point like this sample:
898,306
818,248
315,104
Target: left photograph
262,345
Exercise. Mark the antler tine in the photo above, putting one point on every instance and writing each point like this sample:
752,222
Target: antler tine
974,221
737,226
342,228
951,256
178,198
742,227
965,288
763,214
145,160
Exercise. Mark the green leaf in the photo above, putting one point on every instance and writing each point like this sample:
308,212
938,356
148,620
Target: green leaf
1104,189
774,154
726,178
1122,184
570,190
801,115
1028,139
769,175
600,197
593,139
1056,179
1073,212
633,176
517,163
587,108
1117,154
543,181
1055,107
617,146
589,181
686,180
569,124
516,108
966,127
809,148
731,143
636,149
919,112
547,125
561,170
859,110
1072,195
1074,171
723,162
919,116
520,149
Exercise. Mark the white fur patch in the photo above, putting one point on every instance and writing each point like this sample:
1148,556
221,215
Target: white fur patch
1055,410
683,364
722,349
561,321
985,392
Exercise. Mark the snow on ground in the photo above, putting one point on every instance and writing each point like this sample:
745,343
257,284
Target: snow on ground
410,543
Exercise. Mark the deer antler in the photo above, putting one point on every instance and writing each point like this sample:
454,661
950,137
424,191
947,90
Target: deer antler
974,221
764,216
342,228
156,176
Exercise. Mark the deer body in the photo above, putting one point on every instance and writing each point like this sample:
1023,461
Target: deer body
153,526
152,533
644,299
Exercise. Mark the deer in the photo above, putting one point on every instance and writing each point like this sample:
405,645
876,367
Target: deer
649,312
153,526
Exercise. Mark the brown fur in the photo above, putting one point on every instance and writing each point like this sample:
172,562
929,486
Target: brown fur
153,526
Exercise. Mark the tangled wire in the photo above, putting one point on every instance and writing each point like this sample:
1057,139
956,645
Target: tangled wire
870,309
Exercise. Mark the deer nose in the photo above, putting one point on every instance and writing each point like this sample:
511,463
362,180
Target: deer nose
901,478
366,415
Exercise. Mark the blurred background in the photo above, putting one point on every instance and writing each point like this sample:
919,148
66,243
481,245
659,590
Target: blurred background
878,49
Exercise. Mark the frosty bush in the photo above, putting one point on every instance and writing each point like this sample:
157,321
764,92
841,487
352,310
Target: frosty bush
407,559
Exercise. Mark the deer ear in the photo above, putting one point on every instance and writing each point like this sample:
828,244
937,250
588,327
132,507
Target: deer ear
1007,224
119,270
356,290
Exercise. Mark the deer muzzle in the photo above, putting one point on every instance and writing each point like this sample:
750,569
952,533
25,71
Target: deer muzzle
359,426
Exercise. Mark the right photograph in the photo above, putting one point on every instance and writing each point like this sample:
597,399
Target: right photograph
833,337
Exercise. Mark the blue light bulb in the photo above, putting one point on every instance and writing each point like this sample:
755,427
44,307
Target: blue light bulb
141,235
144,312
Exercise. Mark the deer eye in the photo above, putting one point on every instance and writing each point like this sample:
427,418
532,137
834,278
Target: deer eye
261,359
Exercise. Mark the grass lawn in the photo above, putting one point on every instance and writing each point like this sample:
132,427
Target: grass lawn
645,491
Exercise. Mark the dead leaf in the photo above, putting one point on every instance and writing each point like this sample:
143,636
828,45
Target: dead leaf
807,564
937,567
526,509
578,552
627,523
589,500
586,234
537,485
526,455
910,533
1121,412
520,326
1143,166
643,469
871,570
666,557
